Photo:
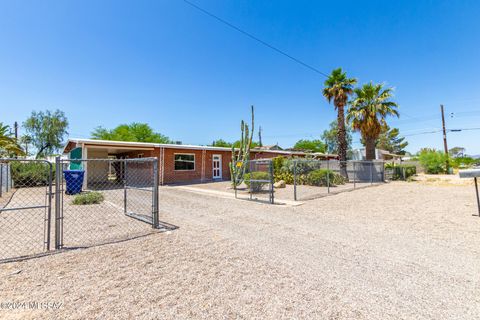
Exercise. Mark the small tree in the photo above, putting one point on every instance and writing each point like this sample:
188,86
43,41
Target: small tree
330,137
47,131
221,143
241,154
391,141
137,132
315,145
433,161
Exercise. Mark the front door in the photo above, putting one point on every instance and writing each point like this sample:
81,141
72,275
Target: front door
217,166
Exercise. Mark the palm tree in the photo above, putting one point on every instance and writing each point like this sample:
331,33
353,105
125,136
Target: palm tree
8,144
338,87
368,112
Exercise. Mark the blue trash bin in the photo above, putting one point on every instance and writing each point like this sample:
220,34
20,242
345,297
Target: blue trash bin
74,181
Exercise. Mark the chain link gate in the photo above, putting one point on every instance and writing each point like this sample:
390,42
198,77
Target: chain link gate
124,198
258,182
38,213
25,207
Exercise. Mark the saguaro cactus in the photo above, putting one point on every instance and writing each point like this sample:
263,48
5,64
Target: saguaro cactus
241,155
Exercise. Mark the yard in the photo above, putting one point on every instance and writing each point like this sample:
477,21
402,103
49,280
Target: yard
397,251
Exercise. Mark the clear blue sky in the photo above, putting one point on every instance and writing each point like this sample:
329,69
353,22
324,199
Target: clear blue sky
193,79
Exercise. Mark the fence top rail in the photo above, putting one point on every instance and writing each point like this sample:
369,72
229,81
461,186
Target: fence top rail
148,159
7,160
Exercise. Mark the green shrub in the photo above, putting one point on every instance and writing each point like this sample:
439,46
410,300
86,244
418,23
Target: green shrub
256,186
464,162
31,173
434,162
93,197
323,177
401,171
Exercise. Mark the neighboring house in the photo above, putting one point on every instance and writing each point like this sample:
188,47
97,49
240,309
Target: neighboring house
359,154
272,147
177,163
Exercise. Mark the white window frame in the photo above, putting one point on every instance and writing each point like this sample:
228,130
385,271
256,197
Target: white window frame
140,155
185,154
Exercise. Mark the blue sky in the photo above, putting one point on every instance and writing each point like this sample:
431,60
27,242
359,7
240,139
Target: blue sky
193,79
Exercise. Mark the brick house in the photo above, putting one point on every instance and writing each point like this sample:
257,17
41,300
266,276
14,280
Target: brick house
177,163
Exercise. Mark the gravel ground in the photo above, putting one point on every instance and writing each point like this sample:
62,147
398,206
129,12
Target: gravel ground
304,192
397,251
23,232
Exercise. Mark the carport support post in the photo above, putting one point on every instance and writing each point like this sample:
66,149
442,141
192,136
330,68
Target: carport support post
295,179
478,197
155,194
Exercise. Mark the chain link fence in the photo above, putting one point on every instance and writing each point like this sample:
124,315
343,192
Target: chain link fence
307,179
76,203
258,182
25,207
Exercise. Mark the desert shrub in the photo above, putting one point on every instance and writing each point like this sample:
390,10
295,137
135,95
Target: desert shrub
321,177
434,162
464,162
31,173
401,171
93,197
256,186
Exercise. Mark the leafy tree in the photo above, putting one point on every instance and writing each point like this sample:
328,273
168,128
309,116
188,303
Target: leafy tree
254,144
315,145
432,161
8,144
330,137
221,143
25,141
338,87
47,131
389,140
137,132
368,111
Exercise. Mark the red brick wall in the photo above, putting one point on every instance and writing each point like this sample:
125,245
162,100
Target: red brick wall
170,175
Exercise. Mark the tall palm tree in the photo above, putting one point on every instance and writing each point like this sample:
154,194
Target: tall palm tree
368,111
338,87
8,144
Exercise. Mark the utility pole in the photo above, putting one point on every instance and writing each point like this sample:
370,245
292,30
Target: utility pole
445,138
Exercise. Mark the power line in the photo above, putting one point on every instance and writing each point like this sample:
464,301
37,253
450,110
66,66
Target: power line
306,65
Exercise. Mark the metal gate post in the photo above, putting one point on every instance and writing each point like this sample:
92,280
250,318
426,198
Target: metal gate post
272,191
328,174
295,179
371,172
155,194
125,164
354,176
50,195
58,213
1,179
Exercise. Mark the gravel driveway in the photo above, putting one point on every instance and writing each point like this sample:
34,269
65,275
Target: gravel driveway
398,251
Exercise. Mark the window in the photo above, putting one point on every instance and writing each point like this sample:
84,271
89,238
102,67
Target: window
140,155
184,162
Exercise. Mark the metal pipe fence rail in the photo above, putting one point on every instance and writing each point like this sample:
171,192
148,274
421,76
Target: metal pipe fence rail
39,212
